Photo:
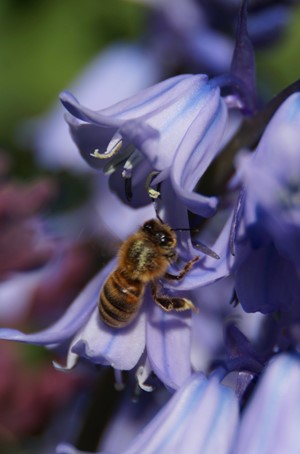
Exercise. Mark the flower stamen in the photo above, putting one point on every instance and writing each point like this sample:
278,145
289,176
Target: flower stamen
117,160
108,153
153,193
131,162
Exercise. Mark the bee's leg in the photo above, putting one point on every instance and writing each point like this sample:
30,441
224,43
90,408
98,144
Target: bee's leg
184,270
171,303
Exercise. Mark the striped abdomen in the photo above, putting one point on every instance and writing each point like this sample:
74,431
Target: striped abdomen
119,300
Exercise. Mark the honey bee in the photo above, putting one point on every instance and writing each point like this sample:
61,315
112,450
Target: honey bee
143,259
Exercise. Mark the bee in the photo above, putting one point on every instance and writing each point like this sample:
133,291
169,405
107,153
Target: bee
143,259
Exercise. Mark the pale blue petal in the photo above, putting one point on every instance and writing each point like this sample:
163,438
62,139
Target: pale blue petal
200,418
271,179
281,138
169,345
208,269
146,101
154,99
272,419
84,114
119,348
198,148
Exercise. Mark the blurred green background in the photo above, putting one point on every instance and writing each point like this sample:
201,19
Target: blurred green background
43,47
44,44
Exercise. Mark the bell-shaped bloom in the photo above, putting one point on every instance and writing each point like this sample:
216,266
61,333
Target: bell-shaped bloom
147,342
200,417
176,125
268,242
173,128
155,341
271,420
153,332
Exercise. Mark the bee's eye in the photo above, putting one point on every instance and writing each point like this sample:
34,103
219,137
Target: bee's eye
148,226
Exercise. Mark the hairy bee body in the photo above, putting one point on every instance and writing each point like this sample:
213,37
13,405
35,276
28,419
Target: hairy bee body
120,299
143,258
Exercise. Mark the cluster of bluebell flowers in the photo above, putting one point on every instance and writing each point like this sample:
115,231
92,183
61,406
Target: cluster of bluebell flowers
154,149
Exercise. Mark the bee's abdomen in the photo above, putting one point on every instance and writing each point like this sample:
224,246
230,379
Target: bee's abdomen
119,300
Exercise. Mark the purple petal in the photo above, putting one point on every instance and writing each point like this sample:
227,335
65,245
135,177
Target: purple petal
270,176
169,345
242,354
120,348
266,282
271,420
84,114
243,61
73,319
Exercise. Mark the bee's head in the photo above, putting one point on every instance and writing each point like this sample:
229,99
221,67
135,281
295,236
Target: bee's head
160,233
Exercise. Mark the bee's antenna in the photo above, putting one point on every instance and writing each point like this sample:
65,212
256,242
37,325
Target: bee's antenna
158,216
198,245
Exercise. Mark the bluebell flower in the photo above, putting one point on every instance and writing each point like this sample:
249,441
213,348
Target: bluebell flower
173,128
268,241
200,417
155,341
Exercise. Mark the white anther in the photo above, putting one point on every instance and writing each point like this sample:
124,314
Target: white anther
134,159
